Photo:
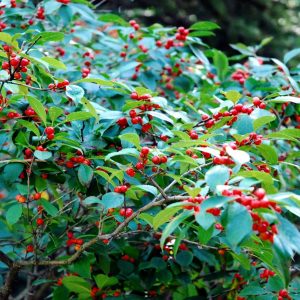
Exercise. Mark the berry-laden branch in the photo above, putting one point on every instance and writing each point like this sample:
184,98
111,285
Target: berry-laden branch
16,266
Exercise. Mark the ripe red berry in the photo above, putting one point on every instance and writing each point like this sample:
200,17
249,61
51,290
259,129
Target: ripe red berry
39,221
145,151
260,193
128,212
130,172
5,65
134,96
37,196
29,248
156,160
140,166
49,130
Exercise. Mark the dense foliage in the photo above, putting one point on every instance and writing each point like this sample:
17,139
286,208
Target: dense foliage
240,21
139,162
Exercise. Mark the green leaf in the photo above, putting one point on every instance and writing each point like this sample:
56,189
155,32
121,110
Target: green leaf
54,63
232,95
49,207
217,175
221,63
91,200
147,188
99,81
242,259
184,258
132,138
14,213
193,192
78,116
5,37
268,152
103,281
204,219
74,92
164,216
112,18
283,99
204,25
290,55
253,289
201,33
112,200
265,178
90,108
76,284
12,171
239,224
44,37
83,267
55,112
4,75
215,201
257,123
43,155
239,156
85,174
127,151
172,226
30,126
38,107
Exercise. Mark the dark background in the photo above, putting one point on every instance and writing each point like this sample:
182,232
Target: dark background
244,21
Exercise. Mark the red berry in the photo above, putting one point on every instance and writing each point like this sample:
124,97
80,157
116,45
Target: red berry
260,193
156,160
134,96
128,212
140,166
39,221
130,172
49,130
145,151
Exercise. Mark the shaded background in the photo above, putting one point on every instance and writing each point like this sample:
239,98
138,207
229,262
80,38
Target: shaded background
244,21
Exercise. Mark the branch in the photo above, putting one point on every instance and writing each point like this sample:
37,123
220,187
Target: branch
5,259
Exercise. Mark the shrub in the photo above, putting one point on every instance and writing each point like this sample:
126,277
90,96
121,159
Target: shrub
139,162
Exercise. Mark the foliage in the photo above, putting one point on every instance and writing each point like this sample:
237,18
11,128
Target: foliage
139,162
245,22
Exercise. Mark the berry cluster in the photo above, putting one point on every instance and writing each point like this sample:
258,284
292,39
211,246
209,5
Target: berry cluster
79,159
61,85
257,200
265,274
253,138
73,241
15,64
126,212
40,14
258,103
128,258
157,160
121,189
86,70
181,34
196,200
21,199
240,76
134,25
50,132
283,294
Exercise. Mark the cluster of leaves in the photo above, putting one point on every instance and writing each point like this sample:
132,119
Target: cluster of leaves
139,162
